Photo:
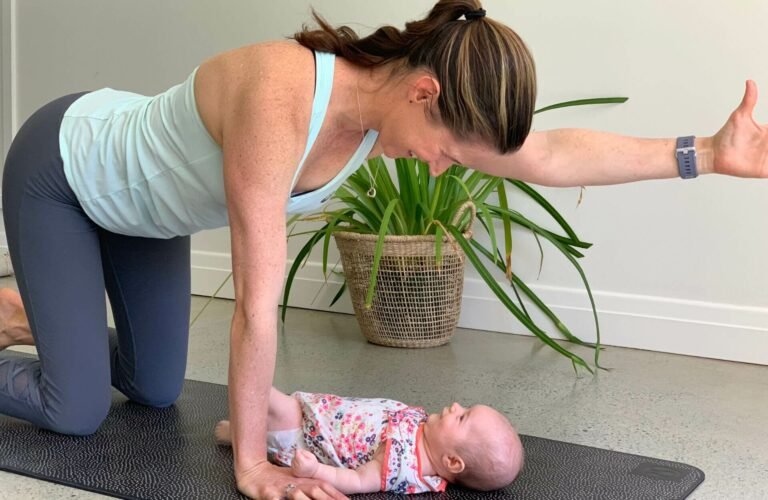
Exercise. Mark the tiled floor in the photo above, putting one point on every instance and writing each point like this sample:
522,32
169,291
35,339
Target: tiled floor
710,414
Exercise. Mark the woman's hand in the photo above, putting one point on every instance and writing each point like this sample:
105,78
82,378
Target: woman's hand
740,148
265,481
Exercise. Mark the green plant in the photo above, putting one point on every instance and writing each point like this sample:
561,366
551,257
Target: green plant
420,204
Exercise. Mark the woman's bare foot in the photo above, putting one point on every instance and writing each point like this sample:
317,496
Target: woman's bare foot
14,326
223,436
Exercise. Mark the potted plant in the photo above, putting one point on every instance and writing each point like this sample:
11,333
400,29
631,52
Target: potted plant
404,271
440,211
435,211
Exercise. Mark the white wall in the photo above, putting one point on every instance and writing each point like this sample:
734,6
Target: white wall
6,80
677,266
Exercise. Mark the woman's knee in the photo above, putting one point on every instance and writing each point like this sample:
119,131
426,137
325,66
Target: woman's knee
80,417
158,395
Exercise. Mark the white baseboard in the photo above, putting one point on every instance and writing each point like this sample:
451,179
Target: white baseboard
719,331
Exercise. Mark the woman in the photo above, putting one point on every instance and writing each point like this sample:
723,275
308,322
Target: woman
103,189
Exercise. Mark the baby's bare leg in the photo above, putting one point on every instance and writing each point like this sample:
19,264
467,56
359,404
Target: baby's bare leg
284,414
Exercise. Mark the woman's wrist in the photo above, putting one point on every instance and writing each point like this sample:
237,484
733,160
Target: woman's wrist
246,461
245,470
705,155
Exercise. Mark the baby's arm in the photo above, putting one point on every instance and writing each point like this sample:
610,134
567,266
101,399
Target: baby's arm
364,479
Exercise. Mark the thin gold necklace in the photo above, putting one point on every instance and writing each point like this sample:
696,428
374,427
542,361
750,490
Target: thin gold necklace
371,192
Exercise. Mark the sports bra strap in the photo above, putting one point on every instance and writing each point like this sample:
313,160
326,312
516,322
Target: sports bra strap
324,66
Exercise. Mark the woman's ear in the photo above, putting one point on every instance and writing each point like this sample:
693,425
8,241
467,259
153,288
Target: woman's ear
425,90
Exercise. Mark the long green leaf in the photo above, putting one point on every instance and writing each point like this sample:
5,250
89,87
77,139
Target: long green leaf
327,240
535,196
502,195
210,299
437,194
516,282
496,289
379,251
488,188
520,219
498,260
486,214
304,252
339,293
563,249
583,102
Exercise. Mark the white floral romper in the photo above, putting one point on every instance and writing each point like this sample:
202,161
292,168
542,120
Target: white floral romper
346,432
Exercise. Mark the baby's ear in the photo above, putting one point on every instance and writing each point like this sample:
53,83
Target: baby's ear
453,463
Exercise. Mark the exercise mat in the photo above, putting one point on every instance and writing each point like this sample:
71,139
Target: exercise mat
144,453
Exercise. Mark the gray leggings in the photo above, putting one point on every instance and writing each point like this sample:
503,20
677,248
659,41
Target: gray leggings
63,263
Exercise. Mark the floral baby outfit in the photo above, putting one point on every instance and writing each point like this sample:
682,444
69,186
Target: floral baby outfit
346,432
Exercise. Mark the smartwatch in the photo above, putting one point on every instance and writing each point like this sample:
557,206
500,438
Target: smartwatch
685,152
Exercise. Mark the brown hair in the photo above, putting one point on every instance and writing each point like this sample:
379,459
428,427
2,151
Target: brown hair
486,73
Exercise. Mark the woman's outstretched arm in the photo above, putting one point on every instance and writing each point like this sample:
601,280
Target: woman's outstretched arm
580,157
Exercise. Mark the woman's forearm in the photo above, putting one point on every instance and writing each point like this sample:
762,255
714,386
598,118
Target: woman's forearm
589,157
251,369
581,157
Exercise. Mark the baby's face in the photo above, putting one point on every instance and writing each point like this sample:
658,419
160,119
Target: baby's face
456,424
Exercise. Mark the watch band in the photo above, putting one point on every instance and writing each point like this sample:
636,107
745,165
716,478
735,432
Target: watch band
685,152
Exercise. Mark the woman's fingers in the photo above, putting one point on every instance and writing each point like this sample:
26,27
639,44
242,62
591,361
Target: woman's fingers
269,482
299,496
333,492
749,101
317,491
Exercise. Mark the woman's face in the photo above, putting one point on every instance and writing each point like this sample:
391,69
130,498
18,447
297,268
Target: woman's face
414,135
410,130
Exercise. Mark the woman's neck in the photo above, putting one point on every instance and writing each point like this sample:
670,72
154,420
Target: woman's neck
365,96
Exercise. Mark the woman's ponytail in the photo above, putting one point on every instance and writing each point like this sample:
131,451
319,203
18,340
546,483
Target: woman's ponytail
486,73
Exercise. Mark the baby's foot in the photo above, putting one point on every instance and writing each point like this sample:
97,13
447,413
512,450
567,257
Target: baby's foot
304,464
221,432
14,326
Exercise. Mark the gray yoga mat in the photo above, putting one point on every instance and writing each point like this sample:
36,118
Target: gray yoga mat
143,453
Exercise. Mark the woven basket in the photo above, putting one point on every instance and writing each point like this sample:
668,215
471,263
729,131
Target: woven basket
415,303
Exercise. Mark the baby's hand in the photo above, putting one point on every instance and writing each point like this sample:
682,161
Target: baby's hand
304,464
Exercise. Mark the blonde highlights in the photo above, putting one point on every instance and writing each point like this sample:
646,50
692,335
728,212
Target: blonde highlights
486,73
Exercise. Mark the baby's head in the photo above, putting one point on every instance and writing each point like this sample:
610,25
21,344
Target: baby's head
475,447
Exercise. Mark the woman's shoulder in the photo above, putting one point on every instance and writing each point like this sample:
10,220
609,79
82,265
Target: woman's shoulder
267,62
278,72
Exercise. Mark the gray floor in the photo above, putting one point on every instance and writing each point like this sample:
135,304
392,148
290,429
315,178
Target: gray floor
710,414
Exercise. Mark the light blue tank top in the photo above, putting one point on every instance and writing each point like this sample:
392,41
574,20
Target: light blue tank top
146,166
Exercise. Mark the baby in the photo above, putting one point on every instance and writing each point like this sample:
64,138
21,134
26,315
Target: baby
367,445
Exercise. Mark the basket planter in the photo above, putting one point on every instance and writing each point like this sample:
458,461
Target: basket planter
416,302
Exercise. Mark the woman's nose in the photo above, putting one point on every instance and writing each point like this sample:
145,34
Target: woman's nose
455,407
